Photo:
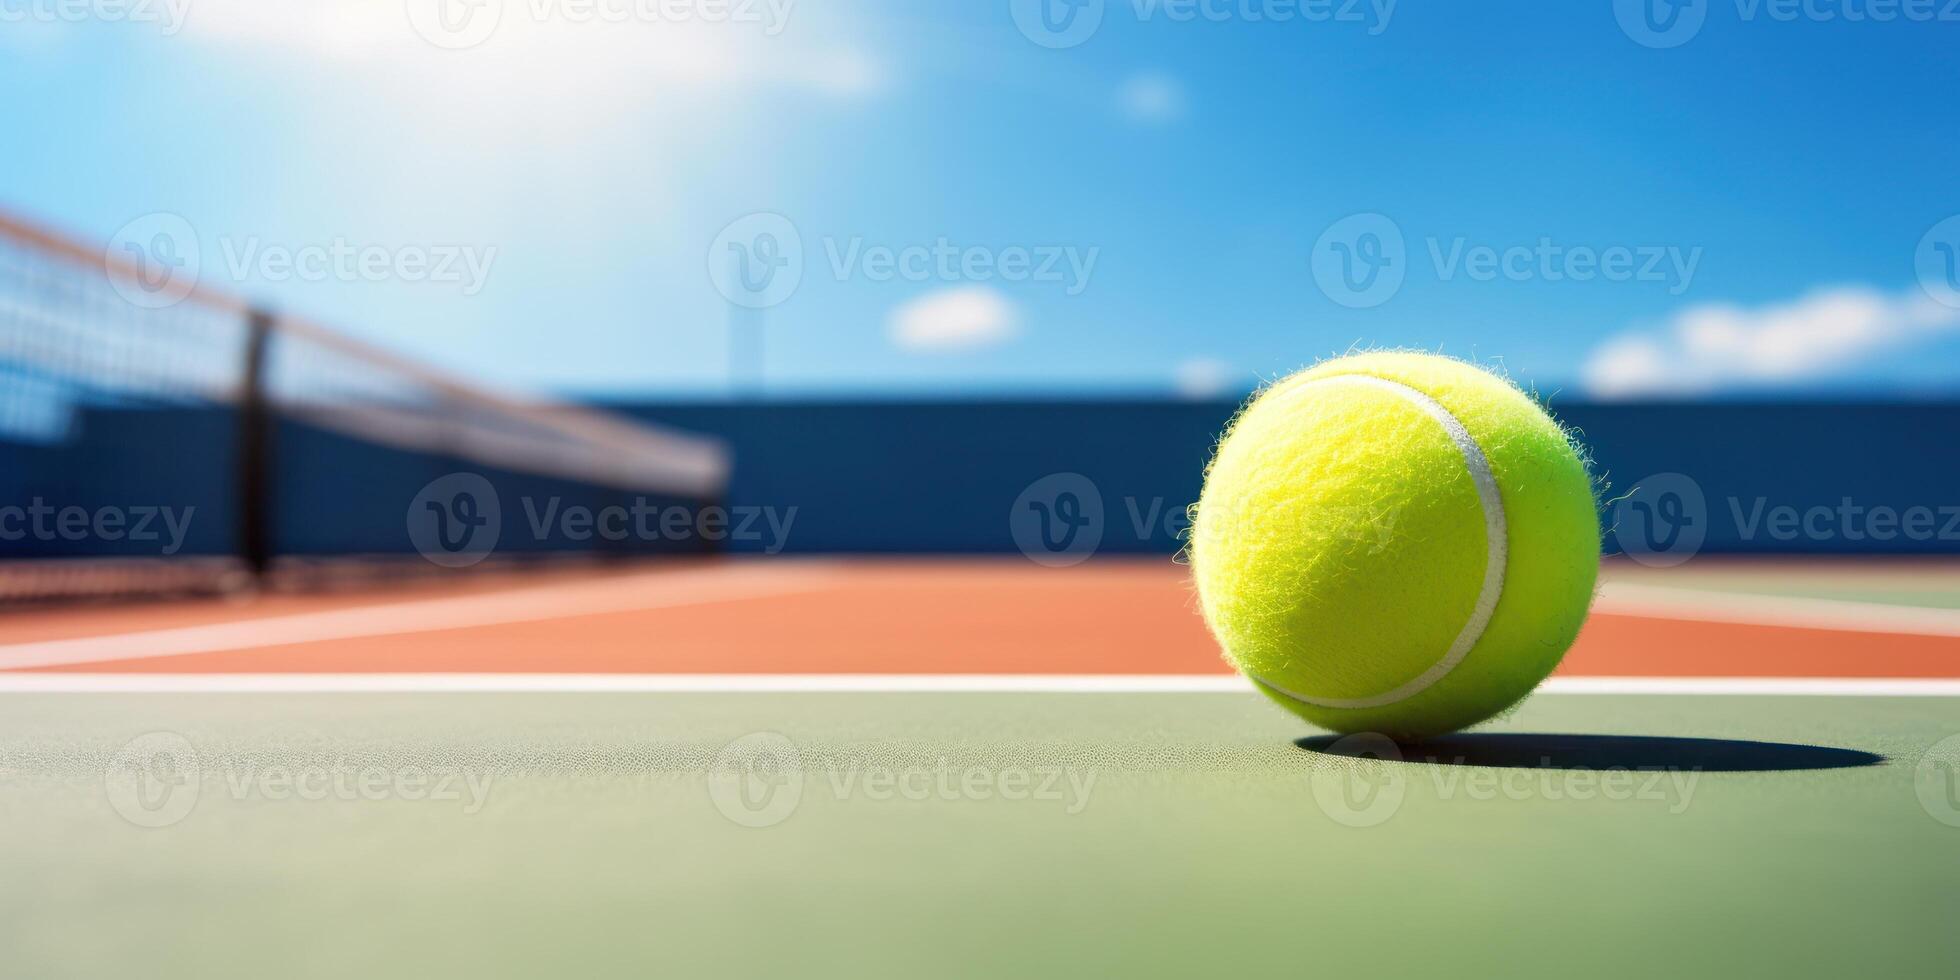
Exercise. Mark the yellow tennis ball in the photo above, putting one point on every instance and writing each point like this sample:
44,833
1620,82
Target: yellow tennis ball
1397,543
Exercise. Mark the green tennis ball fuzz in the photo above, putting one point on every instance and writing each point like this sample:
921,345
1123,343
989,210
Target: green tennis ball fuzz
1396,543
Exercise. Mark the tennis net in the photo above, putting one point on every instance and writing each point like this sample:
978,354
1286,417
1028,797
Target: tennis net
179,441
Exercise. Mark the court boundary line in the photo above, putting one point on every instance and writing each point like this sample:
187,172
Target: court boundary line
1692,605
94,683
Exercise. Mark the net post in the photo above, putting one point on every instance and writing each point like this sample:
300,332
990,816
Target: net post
255,450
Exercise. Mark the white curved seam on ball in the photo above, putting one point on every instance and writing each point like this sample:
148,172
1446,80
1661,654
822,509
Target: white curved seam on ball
1497,548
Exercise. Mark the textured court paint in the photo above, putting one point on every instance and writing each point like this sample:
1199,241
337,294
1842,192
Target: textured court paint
1340,544
1199,841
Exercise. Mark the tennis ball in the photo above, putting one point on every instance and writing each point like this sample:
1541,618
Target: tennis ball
1395,542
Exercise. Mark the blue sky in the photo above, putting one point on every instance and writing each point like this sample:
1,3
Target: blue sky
1754,202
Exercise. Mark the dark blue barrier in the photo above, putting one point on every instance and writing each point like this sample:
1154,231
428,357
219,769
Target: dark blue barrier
122,483
946,476
978,477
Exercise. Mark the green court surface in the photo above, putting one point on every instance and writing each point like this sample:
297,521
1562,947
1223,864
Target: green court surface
958,834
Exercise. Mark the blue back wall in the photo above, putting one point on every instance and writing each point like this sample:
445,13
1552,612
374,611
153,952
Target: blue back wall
945,476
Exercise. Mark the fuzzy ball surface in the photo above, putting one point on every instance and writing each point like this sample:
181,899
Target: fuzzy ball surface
1395,542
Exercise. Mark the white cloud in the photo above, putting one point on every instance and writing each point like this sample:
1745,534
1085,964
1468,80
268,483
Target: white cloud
1203,378
1151,98
1715,346
954,319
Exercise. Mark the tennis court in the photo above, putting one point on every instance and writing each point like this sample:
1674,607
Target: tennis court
1038,488
757,765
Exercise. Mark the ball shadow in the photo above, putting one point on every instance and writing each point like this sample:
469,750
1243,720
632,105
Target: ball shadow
1552,751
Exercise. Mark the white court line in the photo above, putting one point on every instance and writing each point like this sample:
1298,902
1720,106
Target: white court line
54,683
651,590
1704,606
